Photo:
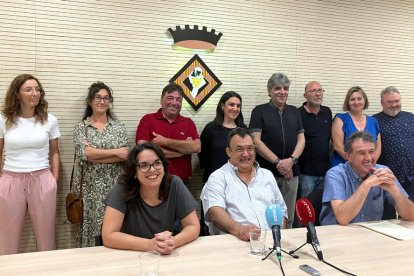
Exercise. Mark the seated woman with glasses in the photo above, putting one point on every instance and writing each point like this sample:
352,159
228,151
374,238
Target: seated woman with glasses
101,144
142,208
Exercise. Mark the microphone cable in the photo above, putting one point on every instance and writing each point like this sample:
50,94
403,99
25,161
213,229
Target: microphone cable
281,267
337,268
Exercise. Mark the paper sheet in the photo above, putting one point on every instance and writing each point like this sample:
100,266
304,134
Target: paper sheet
390,229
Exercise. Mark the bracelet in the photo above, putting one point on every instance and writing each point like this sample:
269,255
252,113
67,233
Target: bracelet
294,159
276,161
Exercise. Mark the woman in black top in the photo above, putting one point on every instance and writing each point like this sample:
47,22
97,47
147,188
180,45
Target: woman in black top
215,135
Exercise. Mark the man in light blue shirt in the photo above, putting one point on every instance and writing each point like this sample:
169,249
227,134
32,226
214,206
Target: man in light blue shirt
356,191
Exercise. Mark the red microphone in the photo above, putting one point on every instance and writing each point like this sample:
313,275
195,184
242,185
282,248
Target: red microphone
305,211
306,215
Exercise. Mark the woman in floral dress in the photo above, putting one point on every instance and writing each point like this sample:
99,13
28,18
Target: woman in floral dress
101,145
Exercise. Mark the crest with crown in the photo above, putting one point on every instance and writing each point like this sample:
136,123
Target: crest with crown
194,38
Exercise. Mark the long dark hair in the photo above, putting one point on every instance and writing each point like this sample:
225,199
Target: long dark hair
11,109
218,120
130,181
93,89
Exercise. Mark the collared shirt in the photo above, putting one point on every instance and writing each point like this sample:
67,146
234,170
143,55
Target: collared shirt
314,159
341,182
397,147
181,128
114,135
245,203
279,132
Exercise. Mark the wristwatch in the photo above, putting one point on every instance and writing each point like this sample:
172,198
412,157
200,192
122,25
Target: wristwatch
294,159
276,161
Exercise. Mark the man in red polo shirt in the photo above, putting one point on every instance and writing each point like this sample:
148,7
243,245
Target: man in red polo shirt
175,134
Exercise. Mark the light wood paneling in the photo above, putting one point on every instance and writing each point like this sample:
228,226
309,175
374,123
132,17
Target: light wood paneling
70,44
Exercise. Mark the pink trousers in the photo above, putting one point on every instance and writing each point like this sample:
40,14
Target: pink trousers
35,191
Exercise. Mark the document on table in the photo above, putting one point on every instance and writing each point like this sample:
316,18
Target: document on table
390,229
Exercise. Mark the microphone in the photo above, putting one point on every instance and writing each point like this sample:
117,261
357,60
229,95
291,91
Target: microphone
274,219
306,215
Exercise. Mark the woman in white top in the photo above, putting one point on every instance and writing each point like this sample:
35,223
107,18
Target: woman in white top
29,137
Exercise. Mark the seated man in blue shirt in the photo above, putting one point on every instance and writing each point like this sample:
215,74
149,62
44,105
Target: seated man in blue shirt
356,191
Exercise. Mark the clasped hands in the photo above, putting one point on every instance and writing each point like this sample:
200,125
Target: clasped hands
383,178
285,167
164,242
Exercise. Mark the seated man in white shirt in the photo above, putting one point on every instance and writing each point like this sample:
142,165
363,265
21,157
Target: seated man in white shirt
235,196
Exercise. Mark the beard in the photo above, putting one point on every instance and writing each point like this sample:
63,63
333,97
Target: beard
393,112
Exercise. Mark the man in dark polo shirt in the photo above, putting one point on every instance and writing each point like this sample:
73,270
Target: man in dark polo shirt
397,140
175,134
278,135
317,122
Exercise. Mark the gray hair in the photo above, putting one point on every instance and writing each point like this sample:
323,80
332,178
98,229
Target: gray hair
365,136
389,89
277,79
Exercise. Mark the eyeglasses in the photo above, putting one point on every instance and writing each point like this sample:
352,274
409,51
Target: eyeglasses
314,91
145,167
98,99
30,89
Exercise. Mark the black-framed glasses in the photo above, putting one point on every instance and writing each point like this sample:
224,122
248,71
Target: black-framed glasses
98,99
314,91
146,167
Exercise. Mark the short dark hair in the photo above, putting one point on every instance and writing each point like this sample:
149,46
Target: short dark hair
171,87
365,136
241,131
352,90
131,183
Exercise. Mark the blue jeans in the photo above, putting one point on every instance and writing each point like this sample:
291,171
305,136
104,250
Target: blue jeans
308,183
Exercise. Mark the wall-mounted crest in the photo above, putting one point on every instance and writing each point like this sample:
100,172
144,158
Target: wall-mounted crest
197,81
195,38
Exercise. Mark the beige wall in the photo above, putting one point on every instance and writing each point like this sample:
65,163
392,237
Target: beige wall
70,44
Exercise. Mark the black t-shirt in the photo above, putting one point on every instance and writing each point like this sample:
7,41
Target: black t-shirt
146,220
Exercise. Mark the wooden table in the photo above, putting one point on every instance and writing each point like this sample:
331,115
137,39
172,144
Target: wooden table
353,248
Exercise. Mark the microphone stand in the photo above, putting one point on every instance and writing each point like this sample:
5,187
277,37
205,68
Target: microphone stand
308,240
284,251
279,259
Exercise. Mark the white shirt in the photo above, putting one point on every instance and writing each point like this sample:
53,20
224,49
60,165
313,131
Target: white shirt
26,143
245,204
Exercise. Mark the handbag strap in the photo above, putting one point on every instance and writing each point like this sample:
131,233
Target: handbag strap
81,166
71,176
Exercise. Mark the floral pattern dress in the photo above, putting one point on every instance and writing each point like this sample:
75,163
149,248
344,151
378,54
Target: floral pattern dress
99,178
